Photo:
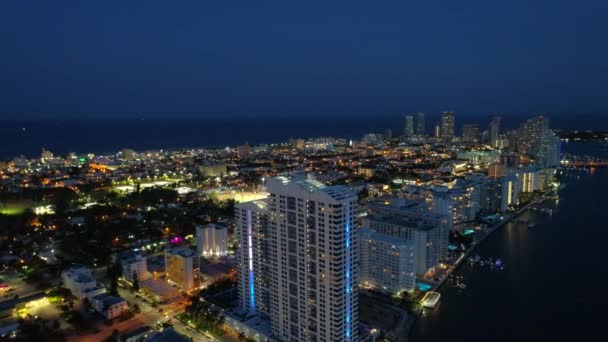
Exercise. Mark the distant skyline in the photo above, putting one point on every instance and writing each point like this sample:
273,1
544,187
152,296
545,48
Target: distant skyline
111,59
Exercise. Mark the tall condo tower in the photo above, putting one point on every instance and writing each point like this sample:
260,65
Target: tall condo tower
298,260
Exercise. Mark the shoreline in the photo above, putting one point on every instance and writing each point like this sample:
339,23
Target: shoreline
541,198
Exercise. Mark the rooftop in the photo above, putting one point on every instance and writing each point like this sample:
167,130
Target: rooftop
408,213
184,252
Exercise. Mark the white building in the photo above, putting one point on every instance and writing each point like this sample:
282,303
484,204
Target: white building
212,240
510,191
182,268
387,263
109,306
133,265
301,248
412,221
529,179
461,199
81,283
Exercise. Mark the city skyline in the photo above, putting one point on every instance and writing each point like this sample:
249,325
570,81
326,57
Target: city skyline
318,171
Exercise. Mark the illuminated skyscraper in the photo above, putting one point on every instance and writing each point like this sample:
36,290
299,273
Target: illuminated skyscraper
531,134
494,131
448,121
408,130
298,260
470,133
420,124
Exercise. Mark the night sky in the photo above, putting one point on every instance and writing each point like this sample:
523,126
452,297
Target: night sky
64,59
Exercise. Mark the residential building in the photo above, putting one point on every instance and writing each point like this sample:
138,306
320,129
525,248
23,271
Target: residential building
529,180
300,247
412,221
460,198
448,124
531,133
494,131
182,268
408,129
549,152
470,133
81,283
133,265
212,240
388,263
420,125
510,191
109,306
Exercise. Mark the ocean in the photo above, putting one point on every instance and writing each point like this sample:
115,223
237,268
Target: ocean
28,137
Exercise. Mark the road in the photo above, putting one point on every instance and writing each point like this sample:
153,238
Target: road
151,316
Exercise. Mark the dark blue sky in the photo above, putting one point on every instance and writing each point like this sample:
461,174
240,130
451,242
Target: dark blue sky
151,58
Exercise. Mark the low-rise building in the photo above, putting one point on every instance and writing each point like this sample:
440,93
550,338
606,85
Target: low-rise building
81,283
133,265
109,306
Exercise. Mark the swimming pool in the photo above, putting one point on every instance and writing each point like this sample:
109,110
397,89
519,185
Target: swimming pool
423,287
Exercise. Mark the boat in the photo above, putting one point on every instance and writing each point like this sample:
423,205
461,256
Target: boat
430,300
531,225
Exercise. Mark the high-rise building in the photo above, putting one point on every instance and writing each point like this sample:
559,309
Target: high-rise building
495,170
300,247
420,125
530,135
411,220
182,268
408,129
470,133
387,263
510,191
494,131
461,198
448,124
529,180
253,257
510,160
549,152
491,201
437,131
212,240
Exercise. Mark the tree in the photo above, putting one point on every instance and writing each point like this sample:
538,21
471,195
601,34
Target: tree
87,303
114,272
63,199
135,281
